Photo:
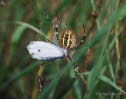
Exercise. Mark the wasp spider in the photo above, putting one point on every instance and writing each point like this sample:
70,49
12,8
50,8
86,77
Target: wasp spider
48,51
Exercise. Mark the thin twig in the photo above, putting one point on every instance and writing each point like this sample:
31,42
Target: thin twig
117,49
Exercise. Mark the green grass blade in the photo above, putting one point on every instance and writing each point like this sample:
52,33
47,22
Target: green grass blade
31,27
19,75
54,82
108,81
14,42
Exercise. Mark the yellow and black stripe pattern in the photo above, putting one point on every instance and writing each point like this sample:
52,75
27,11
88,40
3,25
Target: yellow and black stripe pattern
68,39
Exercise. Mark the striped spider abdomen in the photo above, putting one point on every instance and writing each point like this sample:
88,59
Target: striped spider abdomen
68,40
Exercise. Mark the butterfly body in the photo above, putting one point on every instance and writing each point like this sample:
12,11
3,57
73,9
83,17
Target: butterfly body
45,51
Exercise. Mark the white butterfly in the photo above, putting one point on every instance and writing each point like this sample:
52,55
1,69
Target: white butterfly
45,51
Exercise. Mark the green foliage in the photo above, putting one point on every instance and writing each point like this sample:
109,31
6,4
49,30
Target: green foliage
103,66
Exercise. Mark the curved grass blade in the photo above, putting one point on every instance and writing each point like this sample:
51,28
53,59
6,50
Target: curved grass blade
14,42
108,81
19,75
49,90
93,78
31,27
66,88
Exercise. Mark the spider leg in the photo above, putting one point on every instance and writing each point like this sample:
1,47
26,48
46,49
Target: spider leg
76,68
55,28
41,79
50,41
81,42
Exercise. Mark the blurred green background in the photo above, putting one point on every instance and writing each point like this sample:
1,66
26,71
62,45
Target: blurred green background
103,66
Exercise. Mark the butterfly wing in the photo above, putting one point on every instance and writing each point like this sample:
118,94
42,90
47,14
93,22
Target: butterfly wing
45,51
